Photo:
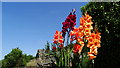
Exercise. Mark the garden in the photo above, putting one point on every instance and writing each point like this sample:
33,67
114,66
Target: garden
94,43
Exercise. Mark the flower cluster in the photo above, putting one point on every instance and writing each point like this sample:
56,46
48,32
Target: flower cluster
77,48
93,44
80,44
58,39
69,23
82,33
77,34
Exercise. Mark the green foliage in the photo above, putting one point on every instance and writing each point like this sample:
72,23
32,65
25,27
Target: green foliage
105,16
63,56
15,59
47,46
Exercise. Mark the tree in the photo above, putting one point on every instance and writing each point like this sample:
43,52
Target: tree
106,16
11,59
15,59
47,47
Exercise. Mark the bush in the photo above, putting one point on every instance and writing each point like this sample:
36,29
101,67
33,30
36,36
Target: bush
15,59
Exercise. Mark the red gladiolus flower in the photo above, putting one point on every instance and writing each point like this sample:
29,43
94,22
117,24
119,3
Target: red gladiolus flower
54,48
61,45
60,41
55,42
69,23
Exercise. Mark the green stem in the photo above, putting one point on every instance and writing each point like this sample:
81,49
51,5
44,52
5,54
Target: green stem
68,57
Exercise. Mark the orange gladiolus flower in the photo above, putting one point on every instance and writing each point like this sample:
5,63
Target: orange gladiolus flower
75,29
91,56
98,36
77,48
72,33
88,25
84,32
81,28
87,17
80,34
87,31
90,39
93,35
58,37
93,44
80,41
94,50
82,21
97,43
90,44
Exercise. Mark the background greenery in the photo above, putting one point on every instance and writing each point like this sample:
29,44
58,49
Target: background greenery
15,59
106,16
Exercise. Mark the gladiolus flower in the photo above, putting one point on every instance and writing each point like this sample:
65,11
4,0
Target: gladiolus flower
82,21
73,32
55,42
98,36
77,48
61,45
87,17
88,25
58,37
80,41
54,48
60,41
69,23
87,31
90,44
94,50
81,28
91,56
93,35
93,44
97,43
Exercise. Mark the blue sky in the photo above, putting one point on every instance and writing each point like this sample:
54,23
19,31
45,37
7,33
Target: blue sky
0,30
29,25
